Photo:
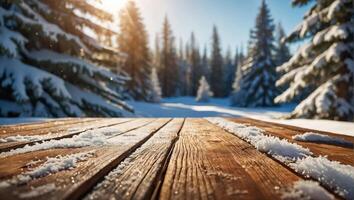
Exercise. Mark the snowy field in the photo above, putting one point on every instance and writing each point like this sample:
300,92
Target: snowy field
188,107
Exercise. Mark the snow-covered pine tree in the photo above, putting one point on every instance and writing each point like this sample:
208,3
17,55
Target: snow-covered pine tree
325,64
282,51
195,65
133,42
155,91
168,64
216,66
50,67
203,93
258,80
236,86
229,72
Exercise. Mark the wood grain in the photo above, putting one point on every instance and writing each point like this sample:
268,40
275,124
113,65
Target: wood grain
337,153
137,177
15,128
63,131
74,183
209,163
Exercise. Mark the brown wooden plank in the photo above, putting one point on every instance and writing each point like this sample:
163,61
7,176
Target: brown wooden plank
72,184
209,163
337,153
67,130
11,166
137,176
15,128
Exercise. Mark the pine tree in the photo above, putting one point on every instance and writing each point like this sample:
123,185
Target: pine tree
182,84
188,69
195,65
236,86
203,93
325,64
157,53
216,65
229,72
282,51
169,65
133,42
205,64
258,80
155,91
49,66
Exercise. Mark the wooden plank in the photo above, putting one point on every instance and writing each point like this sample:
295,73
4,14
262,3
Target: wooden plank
18,163
298,129
67,130
209,163
15,128
137,177
72,184
337,153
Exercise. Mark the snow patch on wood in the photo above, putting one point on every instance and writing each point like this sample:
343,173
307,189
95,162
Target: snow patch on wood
307,190
332,174
321,138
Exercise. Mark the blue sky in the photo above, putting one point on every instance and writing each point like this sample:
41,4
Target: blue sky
234,18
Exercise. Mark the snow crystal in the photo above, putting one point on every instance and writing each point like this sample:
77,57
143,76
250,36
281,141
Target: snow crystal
38,191
317,137
88,138
24,138
307,190
51,166
337,176
264,143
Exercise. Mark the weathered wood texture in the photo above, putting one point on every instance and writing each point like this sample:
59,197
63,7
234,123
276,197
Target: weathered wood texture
342,154
209,163
146,158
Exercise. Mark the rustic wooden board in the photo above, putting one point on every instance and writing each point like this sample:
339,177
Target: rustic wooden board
138,175
65,130
337,153
155,159
72,184
40,125
11,166
209,163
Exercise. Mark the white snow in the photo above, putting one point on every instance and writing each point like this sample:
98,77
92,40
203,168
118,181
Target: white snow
203,93
24,138
18,78
38,191
332,174
264,143
304,189
317,137
51,166
187,107
96,137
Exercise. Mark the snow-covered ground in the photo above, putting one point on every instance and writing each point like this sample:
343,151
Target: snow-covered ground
188,107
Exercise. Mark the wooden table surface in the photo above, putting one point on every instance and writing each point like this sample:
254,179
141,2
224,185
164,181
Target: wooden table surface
148,158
